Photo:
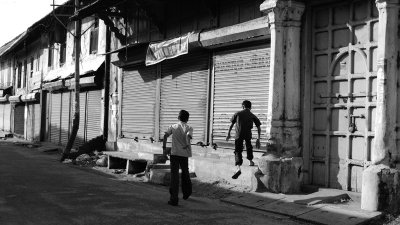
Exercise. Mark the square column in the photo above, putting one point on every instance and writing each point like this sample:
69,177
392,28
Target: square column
284,109
378,187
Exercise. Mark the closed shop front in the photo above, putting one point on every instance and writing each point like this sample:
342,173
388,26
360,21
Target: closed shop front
19,119
184,86
94,109
139,102
65,117
90,108
55,117
240,74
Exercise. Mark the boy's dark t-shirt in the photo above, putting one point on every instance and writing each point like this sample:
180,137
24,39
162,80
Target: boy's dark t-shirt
243,121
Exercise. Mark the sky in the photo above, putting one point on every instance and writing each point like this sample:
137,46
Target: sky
22,13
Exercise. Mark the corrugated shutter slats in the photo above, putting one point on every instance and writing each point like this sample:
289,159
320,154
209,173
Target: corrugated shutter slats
239,75
80,136
55,116
138,102
94,114
19,120
184,86
65,117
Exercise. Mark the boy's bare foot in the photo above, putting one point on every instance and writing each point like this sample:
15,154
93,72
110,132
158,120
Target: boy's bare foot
237,174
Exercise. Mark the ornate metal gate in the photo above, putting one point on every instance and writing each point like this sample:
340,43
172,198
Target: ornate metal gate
344,50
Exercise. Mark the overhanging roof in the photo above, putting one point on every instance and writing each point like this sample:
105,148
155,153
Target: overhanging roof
86,66
9,45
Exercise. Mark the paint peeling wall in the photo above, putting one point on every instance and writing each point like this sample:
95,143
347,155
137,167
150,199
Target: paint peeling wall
87,25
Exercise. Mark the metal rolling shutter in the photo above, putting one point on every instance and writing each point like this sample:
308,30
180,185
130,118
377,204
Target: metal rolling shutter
55,117
65,116
36,122
184,86
80,136
138,102
2,116
238,75
19,120
94,106
7,117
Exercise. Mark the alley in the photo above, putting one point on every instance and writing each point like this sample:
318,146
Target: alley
36,189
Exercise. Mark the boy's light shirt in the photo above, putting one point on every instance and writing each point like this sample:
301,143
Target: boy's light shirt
180,139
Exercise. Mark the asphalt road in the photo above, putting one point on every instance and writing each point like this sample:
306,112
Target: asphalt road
36,189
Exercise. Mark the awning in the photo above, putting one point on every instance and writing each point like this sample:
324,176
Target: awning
83,82
4,98
56,85
15,98
88,65
32,97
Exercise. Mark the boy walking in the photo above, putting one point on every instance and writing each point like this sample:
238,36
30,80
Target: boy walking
180,152
244,120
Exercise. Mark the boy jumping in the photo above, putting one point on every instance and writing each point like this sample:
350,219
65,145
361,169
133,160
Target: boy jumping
181,150
244,120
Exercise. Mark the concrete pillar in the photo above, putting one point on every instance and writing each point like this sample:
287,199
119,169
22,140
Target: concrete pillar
384,149
386,107
284,94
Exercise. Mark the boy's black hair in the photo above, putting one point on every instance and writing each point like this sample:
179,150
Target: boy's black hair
183,116
246,104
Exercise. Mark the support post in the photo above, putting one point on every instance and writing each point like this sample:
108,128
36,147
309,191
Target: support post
284,95
278,170
384,149
75,120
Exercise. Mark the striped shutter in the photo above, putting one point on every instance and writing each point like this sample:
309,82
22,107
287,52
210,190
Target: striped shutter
37,122
241,74
7,117
19,120
80,136
184,86
94,108
55,116
138,102
2,116
65,117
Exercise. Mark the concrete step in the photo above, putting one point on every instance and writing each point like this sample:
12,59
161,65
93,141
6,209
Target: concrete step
217,169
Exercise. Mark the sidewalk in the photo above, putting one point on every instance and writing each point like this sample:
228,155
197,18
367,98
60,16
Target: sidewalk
325,206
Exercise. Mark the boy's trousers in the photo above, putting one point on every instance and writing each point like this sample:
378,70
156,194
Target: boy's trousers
183,163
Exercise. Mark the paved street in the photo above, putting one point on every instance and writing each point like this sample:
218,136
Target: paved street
36,189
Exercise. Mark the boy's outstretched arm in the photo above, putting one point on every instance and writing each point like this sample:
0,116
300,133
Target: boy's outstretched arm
164,146
258,145
229,132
